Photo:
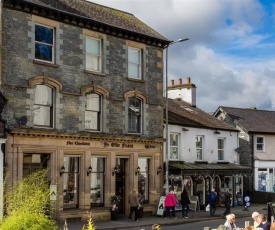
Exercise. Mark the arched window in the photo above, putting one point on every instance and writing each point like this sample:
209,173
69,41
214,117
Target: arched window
92,111
43,106
134,115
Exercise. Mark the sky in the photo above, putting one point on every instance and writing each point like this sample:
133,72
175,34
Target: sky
230,56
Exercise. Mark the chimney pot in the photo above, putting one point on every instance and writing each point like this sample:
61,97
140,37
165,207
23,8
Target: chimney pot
172,82
189,80
180,81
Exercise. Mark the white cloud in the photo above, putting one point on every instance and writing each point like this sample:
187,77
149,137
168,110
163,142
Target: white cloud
229,55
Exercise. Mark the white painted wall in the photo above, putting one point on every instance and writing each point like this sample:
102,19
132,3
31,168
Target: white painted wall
188,153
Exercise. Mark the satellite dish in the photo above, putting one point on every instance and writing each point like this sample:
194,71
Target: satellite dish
23,120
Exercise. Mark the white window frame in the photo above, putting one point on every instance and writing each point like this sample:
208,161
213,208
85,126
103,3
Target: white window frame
199,157
132,64
47,44
174,149
95,109
41,104
93,55
260,143
221,151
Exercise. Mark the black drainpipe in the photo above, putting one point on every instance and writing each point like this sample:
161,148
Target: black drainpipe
252,162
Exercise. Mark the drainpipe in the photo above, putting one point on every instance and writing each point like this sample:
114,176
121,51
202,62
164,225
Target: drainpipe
253,162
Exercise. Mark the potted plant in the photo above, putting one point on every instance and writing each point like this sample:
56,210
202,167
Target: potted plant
115,199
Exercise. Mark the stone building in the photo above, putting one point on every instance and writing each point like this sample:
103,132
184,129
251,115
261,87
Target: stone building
257,143
83,84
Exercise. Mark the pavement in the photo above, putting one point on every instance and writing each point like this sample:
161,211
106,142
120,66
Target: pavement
146,222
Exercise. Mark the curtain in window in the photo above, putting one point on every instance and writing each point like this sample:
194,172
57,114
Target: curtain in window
43,43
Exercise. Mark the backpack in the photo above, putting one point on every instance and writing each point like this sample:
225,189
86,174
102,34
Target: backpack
212,197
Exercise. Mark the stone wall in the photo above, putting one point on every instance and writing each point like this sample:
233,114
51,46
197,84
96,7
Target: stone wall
19,66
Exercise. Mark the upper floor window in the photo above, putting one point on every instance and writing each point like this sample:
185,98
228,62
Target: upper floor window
174,146
134,63
260,143
43,106
93,54
44,43
220,149
93,111
134,115
199,147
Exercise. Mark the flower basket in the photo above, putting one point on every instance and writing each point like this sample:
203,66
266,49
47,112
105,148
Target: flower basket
115,199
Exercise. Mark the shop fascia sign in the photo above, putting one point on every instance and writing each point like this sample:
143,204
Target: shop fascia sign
107,144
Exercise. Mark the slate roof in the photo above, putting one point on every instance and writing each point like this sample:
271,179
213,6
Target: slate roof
252,120
105,16
182,113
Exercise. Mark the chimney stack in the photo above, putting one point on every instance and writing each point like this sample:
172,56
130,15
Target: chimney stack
185,92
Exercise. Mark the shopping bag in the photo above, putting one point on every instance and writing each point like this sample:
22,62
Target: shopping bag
207,208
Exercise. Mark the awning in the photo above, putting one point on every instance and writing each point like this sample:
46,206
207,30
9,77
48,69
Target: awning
225,168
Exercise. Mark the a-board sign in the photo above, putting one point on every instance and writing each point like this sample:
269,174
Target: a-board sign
161,206
194,200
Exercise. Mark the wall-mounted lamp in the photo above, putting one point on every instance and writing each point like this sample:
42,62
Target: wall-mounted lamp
115,170
138,170
159,170
217,132
89,170
185,129
62,170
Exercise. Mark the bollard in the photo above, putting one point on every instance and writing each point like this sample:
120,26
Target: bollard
206,228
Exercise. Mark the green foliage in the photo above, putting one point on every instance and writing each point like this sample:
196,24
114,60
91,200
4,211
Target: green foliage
90,225
27,204
28,221
32,194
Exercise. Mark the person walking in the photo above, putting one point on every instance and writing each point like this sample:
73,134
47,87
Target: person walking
170,203
227,202
134,204
212,202
185,201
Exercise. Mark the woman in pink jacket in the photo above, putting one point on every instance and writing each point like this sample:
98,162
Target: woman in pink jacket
170,203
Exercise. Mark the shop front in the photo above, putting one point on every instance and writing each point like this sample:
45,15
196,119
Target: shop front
199,179
88,172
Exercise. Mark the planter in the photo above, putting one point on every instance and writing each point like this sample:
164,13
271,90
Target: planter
114,214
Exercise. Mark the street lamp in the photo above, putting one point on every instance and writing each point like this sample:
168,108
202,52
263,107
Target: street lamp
166,114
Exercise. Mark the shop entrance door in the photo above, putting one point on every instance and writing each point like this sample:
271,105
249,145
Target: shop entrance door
120,183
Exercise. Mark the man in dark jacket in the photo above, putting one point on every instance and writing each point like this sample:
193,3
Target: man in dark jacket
227,201
185,201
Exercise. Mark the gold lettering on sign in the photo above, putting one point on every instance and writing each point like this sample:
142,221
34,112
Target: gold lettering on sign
117,145
77,143
148,146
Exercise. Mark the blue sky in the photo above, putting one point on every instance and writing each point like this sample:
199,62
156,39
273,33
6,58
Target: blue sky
230,56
